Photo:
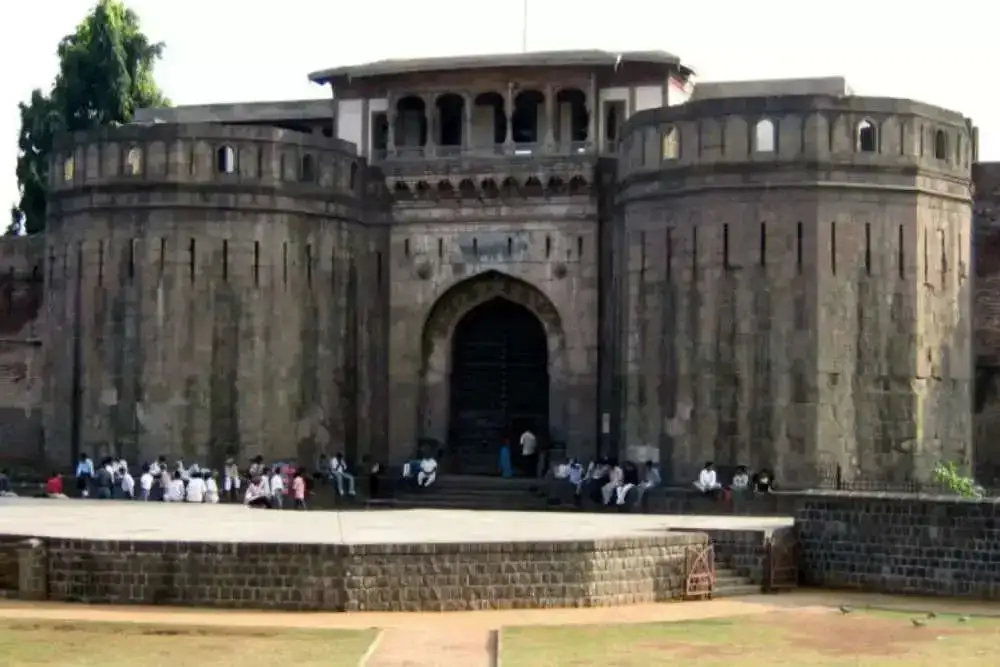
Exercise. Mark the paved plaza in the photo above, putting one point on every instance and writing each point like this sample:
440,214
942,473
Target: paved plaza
156,521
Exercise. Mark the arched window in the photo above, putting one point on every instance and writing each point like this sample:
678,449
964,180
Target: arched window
68,168
225,160
867,137
764,138
133,161
307,169
670,143
940,145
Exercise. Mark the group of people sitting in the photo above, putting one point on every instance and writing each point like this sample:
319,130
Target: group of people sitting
420,470
159,481
742,482
607,482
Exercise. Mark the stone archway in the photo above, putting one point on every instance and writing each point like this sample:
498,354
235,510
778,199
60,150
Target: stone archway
490,337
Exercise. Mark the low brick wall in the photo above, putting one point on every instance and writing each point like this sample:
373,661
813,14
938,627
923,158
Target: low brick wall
9,566
899,543
418,577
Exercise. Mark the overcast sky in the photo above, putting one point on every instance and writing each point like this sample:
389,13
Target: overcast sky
230,50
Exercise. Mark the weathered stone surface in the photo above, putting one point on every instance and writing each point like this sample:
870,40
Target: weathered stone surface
923,545
403,577
801,308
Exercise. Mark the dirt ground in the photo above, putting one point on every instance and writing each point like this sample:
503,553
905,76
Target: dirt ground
466,639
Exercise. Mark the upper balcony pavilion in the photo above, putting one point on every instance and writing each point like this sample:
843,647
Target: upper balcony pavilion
543,103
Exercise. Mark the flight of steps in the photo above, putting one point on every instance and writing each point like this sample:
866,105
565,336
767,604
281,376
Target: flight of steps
732,582
475,493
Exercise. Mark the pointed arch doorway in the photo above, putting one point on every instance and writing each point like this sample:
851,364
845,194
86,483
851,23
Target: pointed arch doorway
499,382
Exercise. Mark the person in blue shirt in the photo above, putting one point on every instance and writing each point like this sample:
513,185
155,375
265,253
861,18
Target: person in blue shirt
84,475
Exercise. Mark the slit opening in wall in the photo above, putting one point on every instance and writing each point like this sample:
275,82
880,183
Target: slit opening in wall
406,247
284,263
798,247
670,252
510,246
725,246
131,258
100,263
440,248
694,249
192,255
927,266
378,269
579,247
333,268
256,263
475,247
901,257
642,252
548,247
309,265
868,248
163,256
833,248
763,244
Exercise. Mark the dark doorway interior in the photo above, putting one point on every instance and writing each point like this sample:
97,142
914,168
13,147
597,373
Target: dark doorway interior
499,384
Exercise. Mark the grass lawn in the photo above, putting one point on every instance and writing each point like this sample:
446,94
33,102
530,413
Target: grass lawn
790,639
83,644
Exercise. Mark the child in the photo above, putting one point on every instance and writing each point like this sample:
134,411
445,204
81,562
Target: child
211,487
146,482
299,490
277,487
54,486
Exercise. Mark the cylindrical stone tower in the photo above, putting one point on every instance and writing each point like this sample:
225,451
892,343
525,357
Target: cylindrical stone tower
797,286
211,290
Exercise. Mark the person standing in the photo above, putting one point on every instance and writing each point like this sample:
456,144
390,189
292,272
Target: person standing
299,490
529,455
84,475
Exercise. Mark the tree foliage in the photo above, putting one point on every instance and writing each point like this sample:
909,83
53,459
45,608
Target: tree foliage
105,74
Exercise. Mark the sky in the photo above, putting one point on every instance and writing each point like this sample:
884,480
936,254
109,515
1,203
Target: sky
231,51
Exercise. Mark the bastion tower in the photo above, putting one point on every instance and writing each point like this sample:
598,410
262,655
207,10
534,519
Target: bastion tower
451,251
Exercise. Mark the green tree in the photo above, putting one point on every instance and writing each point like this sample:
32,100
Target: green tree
105,74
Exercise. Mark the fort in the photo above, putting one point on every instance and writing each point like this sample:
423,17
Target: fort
587,244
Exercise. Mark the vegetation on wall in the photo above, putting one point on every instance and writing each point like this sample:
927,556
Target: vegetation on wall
950,477
105,74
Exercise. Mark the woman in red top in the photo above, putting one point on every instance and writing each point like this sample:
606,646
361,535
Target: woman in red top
54,486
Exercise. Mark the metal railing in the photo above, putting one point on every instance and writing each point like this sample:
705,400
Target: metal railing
833,478
422,153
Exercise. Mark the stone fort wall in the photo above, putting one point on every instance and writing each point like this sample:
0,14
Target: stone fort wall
213,289
796,285
986,309
21,322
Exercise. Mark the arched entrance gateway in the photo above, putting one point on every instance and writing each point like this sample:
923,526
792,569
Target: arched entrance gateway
493,348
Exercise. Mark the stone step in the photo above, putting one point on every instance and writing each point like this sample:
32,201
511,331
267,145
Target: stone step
735,590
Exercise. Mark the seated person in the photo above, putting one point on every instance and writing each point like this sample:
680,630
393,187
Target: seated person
707,481
175,489
630,479
54,486
428,471
763,481
5,485
616,478
338,468
650,478
597,475
257,494
741,480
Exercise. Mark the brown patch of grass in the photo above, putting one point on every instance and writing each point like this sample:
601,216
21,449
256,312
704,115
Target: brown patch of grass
782,639
83,644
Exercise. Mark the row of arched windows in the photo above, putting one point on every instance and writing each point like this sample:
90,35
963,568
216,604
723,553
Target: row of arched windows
765,140
226,162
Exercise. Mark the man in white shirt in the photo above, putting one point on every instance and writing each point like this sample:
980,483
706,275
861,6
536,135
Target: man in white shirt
196,489
211,487
707,481
338,469
175,489
615,479
529,456
428,471
128,483
277,484
146,483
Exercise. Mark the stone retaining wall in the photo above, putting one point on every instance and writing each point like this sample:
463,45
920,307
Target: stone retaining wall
419,577
896,543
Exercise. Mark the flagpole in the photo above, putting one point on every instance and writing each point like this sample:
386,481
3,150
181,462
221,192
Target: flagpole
524,28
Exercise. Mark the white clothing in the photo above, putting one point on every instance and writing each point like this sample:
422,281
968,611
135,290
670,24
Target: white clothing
622,492
230,483
707,480
146,481
211,491
428,472
255,491
528,443
741,481
265,487
128,483
277,484
337,465
614,481
175,491
154,469
575,473
196,490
